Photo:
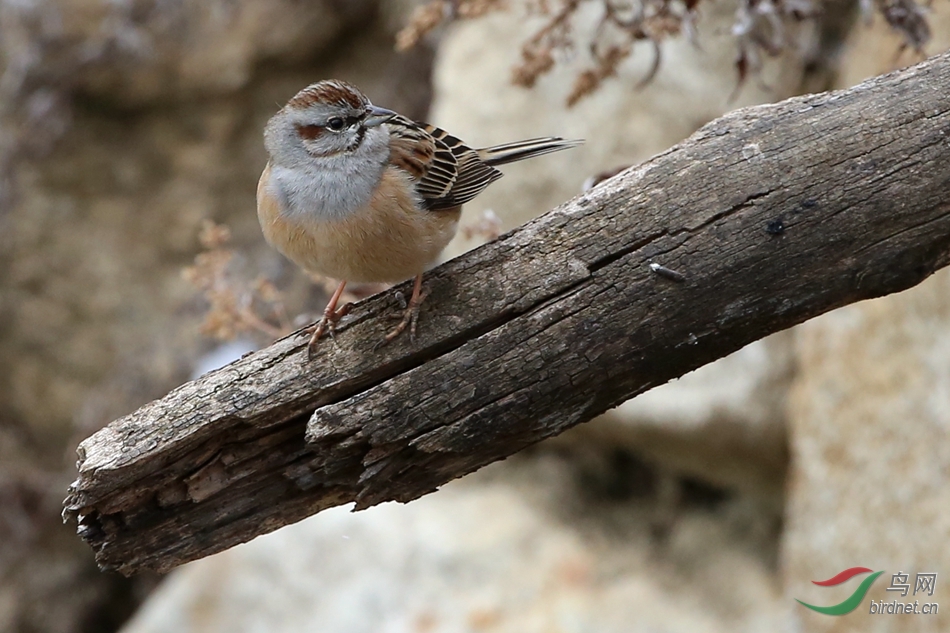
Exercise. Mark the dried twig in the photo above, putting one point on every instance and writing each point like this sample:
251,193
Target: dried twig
235,305
762,28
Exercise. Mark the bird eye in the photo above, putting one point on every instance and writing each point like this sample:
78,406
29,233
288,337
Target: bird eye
336,124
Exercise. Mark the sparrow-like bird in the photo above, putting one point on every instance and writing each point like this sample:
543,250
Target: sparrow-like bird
359,193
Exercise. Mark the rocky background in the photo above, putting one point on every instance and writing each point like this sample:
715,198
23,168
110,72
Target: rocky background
705,505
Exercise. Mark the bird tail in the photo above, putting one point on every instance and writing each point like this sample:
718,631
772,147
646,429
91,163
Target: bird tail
520,150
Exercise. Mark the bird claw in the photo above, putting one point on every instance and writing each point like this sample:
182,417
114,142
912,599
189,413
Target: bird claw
409,319
325,325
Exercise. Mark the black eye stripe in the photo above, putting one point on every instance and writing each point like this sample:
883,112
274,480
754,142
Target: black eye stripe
338,123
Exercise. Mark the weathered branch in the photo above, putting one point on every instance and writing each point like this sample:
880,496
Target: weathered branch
772,214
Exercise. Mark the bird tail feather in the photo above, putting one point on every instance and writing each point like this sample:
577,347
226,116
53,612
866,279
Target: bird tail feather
520,150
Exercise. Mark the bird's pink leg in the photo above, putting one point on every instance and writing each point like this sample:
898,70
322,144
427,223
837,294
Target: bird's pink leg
330,316
411,315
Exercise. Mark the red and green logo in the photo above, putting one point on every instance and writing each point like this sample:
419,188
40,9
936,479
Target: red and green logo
853,600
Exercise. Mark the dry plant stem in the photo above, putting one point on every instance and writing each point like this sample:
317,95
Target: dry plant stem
771,215
248,316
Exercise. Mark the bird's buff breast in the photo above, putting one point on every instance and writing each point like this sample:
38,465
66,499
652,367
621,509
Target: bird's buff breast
388,240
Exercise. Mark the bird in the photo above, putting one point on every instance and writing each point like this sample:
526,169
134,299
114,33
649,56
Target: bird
360,193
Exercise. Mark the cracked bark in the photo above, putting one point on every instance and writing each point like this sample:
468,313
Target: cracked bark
772,215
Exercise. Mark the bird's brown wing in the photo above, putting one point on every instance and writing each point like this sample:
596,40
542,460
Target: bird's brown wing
447,172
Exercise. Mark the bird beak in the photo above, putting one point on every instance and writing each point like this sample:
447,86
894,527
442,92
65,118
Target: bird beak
377,116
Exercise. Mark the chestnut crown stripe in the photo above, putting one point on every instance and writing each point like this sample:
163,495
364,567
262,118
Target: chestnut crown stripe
332,91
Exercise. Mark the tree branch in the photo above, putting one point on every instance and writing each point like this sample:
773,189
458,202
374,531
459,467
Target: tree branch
768,216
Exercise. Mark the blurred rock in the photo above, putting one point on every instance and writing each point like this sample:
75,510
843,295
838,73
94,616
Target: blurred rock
874,48
520,547
870,484
137,51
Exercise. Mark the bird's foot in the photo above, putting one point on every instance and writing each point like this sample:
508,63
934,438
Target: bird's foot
410,317
326,325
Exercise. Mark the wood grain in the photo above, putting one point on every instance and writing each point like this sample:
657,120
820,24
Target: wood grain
770,216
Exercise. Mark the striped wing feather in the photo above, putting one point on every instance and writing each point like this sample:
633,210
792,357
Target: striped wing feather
448,172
